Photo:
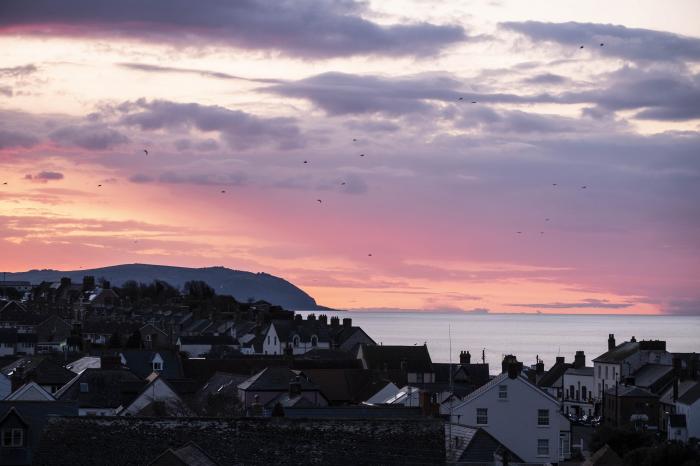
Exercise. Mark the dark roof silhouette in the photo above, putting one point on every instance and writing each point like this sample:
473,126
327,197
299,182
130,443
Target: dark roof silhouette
417,358
691,395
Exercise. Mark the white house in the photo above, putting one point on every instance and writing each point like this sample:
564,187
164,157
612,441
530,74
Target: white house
5,385
623,360
299,335
520,415
688,405
578,386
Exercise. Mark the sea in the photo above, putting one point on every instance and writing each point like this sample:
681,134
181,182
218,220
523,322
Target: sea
527,336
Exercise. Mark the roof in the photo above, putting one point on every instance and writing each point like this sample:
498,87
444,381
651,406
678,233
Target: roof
390,357
691,395
140,362
30,391
190,455
276,379
79,365
354,412
482,446
630,391
582,371
44,370
343,385
498,380
304,329
106,388
290,401
605,456
677,421
474,374
619,353
554,373
206,340
650,374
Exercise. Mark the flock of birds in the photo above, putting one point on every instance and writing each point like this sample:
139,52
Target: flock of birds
343,183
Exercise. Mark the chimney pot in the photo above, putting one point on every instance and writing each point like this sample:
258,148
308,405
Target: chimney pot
611,342
513,370
347,322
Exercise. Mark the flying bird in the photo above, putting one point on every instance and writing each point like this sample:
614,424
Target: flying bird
145,151
581,47
319,201
519,232
343,183
461,98
602,44
546,220
541,232
5,182
223,191
362,155
306,161
554,184
99,185
473,101
354,140
369,255
583,187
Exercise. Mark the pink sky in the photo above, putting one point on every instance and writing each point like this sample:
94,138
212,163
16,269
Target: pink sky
461,205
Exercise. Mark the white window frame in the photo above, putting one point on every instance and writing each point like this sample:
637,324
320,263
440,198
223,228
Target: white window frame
482,414
157,366
542,416
503,392
543,447
13,442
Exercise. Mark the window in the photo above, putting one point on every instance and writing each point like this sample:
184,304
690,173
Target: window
572,390
542,417
12,437
275,340
503,392
268,339
542,447
296,341
314,340
84,387
482,416
598,371
606,372
583,393
157,366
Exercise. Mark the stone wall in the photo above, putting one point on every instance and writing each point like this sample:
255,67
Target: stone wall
137,441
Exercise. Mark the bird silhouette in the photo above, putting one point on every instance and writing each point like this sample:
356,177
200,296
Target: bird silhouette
602,44
473,101
343,183
581,47
541,232
319,201
519,232
554,184
546,220
306,161
145,151
362,155
99,185
583,187
223,191
369,255
354,140
461,98
5,182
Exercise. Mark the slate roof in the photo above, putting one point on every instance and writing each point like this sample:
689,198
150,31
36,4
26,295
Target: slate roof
630,391
45,371
390,357
79,365
140,362
207,340
677,421
649,375
619,353
482,446
476,374
691,395
288,401
583,371
343,385
605,456
276,379
553,374
305,329
354,412
107,388
189,455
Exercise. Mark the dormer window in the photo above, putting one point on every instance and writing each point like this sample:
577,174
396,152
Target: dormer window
13,438
84,387
157,366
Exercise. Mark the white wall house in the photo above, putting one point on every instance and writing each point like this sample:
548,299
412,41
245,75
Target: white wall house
688,405
521,416
577,391
5,386
301,336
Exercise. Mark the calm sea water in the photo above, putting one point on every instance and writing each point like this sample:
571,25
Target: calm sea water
525,335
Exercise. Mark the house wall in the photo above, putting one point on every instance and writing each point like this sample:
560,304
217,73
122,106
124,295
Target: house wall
271,343
513,421
5,386
7,349
604,380
195,351
578,381
415,377
692,417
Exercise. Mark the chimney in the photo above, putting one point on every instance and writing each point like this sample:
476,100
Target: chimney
335,321
514,369
311,316
323,319
611,342
88,283
634,339
509,359
465,357
347,322
17,378
110,362
298,317
539,368
580,360
295,387
560,360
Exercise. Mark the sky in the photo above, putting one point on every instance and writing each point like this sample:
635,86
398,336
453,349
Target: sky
476,155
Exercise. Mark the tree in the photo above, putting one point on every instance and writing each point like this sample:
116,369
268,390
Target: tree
115,341
199,290
134,340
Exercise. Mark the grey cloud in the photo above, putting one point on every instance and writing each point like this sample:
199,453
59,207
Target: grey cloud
686,306
205,73
304,28
90,136
14,139
516,121
18,71
373,126
140,178
584,304
208,179
6,91
546,78
239,129
620,41
44,176
199,145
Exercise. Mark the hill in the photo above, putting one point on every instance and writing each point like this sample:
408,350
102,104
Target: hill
240,284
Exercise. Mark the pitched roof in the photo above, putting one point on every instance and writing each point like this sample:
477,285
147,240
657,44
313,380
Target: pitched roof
605,456
482,446
630,391
140,362
44,370
650,374
499,379
206,340
619,353
106,388
189,455
304,329
276,379
691,395
30,392
553,374
390,357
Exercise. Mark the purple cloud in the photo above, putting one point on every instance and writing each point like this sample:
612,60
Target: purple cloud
14,139
303,28
91,136
44,176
